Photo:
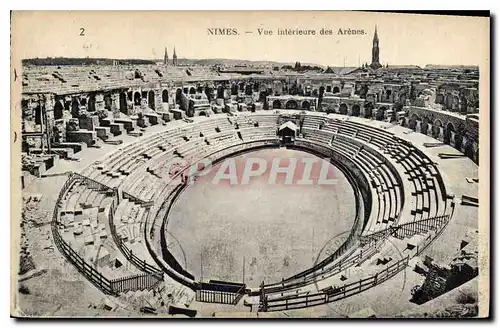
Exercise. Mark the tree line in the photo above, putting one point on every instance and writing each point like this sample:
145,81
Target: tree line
65,61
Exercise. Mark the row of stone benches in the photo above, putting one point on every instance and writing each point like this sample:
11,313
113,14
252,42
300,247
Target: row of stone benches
384,186
83,223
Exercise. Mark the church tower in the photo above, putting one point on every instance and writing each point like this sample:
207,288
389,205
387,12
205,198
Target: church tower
174,58
375,52
165,57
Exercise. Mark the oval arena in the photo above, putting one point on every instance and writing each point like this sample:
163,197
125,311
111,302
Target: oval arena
138,215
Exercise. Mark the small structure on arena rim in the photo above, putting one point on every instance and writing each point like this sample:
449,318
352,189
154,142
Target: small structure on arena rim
287,132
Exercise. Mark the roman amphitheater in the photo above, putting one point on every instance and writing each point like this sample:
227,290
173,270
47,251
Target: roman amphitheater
105,229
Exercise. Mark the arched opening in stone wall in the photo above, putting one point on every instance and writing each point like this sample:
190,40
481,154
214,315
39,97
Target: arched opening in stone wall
386,96
286,88
412,123
380,114
449,101
439,98
199,88
108,101
192,91
190,110
291,104
38,115
130,96
447,132
178,96
336,90
75,107
137,98
123,103
306,105
306,91
463,105
83,102
363,91
276,104
343,109
277,88
320,98
144,95
455,104
202,113
209,93
234,89
424,125
328,88
242,86
368,110
402,99
248,89
58,110
458,137
91,105
220,92
262,96
164,96
151,99
356,110
436,128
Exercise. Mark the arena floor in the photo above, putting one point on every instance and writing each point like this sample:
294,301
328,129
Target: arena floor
274,231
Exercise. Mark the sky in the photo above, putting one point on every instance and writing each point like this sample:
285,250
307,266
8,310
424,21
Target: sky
405,39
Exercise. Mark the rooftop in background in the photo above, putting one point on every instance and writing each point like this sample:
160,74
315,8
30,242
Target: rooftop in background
70,79
471,67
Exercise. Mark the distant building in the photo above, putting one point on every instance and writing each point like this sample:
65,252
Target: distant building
174,58
375,52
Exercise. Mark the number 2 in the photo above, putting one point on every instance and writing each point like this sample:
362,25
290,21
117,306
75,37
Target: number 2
82,31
